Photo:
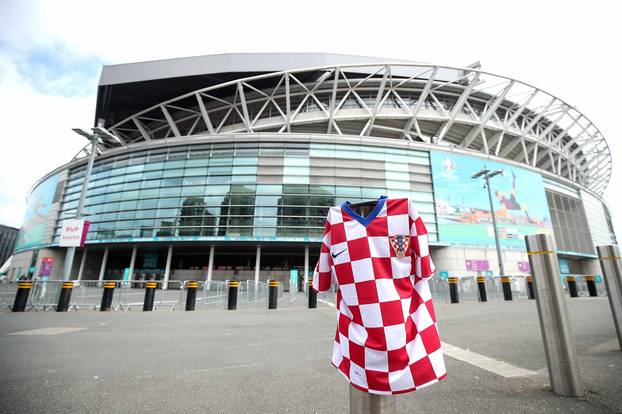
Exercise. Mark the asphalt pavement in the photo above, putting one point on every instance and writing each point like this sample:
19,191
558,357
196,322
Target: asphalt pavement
255,360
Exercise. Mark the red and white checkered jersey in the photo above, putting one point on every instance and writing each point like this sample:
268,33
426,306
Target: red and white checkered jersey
387,340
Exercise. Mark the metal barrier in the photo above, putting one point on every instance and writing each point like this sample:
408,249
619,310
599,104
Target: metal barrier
213,293
8,290
44,295
87,294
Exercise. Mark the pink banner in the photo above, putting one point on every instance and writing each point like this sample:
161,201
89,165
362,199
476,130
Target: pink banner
46,266
85,230
477,265
524,267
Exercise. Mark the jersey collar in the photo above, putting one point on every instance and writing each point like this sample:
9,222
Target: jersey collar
370,217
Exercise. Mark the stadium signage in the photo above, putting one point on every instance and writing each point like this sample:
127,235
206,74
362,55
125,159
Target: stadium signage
73,233
477,265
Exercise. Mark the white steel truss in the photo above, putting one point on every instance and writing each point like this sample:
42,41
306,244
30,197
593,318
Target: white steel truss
492,114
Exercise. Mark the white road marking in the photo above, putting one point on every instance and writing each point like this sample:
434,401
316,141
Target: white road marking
608,346
226,367
495,366
326,302
47,331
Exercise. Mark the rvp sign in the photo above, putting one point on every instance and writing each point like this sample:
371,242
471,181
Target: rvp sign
73,233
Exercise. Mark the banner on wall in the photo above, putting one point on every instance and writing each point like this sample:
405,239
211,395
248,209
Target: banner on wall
73,233
46,267
32,232
463,207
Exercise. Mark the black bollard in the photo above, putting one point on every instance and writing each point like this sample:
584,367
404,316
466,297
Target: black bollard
273,293
150,288
191,294
21,298
572,286
64,297
312,296
453,289
530,292
481,285
591,285
232,300
106,304
507,287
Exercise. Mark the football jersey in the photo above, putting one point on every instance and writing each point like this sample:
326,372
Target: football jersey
387,340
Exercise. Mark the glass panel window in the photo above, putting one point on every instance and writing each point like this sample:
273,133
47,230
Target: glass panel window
149,192
141,214
127,205
195,171
167,212
195,180
193,190
168,202
269,189
173,173
148,203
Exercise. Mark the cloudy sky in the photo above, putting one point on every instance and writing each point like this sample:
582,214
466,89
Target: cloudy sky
51,54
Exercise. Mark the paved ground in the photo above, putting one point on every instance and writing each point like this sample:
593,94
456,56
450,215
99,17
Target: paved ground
260,361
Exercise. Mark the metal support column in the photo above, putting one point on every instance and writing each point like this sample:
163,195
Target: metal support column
82,264
257,262
102,269
495,228
71,251
132,263
167,269
210,265
306,268
609,257
364,403
554,324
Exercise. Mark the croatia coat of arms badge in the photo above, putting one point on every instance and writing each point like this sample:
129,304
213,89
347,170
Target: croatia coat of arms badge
400,244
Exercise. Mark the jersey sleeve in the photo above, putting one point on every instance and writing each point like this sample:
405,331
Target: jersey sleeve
322,274
423,266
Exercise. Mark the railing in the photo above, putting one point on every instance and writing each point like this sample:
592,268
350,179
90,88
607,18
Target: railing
130,295
8,290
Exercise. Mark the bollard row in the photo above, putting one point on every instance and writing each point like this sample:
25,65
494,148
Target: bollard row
112,295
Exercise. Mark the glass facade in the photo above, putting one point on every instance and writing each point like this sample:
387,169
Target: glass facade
241,190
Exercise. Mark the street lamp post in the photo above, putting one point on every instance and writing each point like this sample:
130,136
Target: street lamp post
488,174
98,132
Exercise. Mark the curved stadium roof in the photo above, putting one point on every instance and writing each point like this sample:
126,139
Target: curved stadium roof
353,96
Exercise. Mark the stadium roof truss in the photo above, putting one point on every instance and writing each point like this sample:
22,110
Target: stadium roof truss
473,110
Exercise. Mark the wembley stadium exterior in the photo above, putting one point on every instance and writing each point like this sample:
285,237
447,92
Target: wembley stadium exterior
225,166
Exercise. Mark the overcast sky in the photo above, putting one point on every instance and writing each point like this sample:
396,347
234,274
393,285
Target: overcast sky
51,54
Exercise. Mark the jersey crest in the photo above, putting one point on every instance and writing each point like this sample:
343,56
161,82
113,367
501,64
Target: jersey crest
400,244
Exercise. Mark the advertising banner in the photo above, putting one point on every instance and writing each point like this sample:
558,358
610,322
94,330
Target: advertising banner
463,207
524,267
46,267
477,265
33,226
73,233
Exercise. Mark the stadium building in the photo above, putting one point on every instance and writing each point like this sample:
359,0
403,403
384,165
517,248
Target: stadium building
225,166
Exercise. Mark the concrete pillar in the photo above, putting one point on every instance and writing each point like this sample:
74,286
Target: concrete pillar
167,269
132,263
257,263
306,268
102,270
210,265
82,263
